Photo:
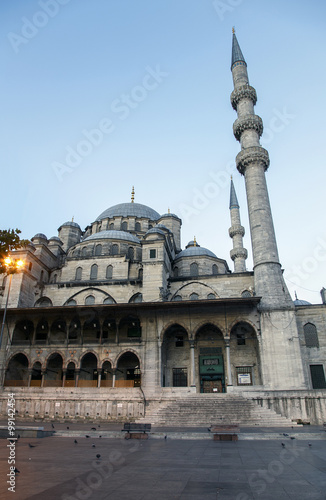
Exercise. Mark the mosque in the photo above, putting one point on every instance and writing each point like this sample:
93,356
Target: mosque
118,322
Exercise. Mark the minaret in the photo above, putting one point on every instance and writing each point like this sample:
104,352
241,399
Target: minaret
279,348
236,232
252,162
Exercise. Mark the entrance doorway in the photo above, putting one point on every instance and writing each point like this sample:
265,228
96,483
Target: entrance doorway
212,385
211,372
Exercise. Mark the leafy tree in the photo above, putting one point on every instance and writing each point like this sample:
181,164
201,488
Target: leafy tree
9,241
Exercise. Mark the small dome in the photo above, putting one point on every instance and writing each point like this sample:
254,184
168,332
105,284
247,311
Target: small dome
112,235
55,239
155,230
69,223
161,226
192,243
39,236
195,251
129,210
170,215
298,302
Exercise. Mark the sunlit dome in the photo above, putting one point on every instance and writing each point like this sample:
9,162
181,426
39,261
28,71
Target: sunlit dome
112,235
129,210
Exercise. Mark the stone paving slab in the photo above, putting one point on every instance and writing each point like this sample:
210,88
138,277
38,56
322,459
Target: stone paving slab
59,469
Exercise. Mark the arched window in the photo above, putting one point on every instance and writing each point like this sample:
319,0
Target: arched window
194,296
176,298
98,250
138,297
194,269
214,269
55,278
94,272
79,272
124,226
90,300
310,334
109,272
43,302
108,300
245,294
176,272
115,249
71,302
137,226
131,253
140,273
211,296
111,226
84,251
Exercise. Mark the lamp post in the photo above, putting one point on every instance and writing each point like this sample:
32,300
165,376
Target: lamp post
12,267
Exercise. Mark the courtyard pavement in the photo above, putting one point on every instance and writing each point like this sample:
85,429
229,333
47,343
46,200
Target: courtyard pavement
57,468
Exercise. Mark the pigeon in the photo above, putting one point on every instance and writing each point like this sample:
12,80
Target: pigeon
98,426
292,437
31,445
165,437
93,445
75,441
68,428
283,445
87,436
100,436
208,429
98,456
285,434
309,444
52,426
93,428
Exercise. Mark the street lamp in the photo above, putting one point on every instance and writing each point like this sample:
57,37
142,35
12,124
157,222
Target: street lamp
12,266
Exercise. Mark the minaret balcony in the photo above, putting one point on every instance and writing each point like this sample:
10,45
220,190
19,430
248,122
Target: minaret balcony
238,253
243,92
249,122
255,154
234,230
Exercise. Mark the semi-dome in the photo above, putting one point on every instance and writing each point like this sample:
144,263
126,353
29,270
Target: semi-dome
195,251
129,210
112,235
299,302
55,238
155,230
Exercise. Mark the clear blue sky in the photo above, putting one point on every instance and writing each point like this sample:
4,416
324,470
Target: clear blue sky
70,66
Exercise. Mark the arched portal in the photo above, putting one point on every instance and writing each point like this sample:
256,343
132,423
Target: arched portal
23,333
128,371
36,375
175,357
17,371
107,374
88,371
58,332
244,355
53,373
210,359
70,380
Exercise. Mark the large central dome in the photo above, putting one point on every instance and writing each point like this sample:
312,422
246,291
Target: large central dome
129,210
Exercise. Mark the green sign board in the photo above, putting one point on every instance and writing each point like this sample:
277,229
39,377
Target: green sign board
210,365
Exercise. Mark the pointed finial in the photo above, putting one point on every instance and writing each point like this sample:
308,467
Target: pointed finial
72,220
296,297
233,30
133,194
231,177
195,241
169,211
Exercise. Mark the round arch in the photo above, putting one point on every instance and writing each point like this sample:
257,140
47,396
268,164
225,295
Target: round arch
88,371
171,323
212,323
128,369
175,356
17,372
54,370
244,354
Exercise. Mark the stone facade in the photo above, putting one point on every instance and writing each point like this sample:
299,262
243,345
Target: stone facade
102,321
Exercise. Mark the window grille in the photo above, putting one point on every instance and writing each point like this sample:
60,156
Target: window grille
311,335
180,377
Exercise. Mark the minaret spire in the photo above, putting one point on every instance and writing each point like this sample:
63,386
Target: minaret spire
236,232
252,162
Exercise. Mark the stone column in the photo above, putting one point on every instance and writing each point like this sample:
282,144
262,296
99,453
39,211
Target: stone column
192,360
114,370
42,381
228,361
76,377
29,377
99,377
64,375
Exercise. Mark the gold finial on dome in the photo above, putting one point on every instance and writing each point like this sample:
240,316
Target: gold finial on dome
195,241
72,220
133,194
233,30
169,211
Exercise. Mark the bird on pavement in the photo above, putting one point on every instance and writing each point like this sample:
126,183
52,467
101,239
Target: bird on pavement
75,441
